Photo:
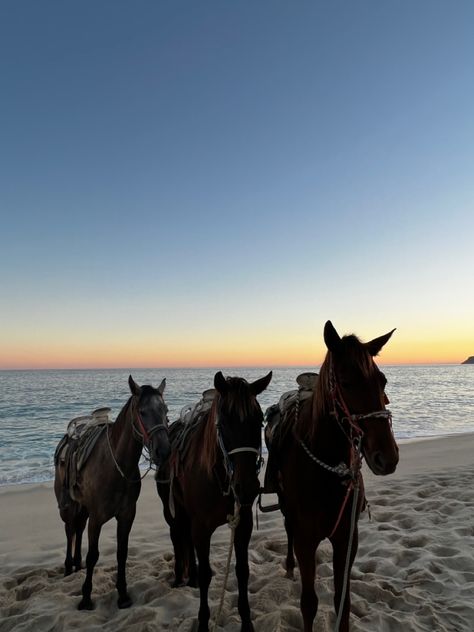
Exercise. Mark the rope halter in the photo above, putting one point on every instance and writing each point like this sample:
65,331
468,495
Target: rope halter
354,434
228,463
143,436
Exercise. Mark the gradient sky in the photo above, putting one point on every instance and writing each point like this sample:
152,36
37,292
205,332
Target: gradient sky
206,183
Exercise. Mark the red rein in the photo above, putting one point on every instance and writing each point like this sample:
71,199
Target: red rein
146,436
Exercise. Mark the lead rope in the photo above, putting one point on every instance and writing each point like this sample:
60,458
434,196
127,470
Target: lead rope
233,522
348,555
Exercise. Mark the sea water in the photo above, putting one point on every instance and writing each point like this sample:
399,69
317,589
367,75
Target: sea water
35,406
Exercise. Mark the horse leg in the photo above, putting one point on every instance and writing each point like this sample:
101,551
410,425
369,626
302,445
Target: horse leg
241,545
186,564
191,557
91,560
124,525
202,540
290,558
177,538
305,549
340,547
68,562
79,525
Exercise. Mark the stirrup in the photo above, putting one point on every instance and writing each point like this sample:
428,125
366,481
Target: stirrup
268,508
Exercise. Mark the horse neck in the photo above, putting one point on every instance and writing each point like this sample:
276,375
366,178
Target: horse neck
324,434
127,450
208,441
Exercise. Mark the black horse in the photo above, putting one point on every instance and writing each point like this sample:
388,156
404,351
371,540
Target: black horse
217,478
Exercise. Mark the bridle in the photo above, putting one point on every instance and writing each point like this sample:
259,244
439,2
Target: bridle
140,434
353,433
228,463
341,413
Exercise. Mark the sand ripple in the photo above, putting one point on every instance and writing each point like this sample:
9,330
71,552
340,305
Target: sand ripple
414,572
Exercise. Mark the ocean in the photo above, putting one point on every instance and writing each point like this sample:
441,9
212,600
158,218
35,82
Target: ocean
36,406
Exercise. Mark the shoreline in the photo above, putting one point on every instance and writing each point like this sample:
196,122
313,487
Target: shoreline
400,441
414,569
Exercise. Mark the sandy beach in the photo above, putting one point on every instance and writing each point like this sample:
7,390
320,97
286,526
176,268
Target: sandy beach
414,570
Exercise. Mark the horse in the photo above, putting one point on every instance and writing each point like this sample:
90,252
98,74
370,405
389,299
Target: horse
215,481
316,457
109,483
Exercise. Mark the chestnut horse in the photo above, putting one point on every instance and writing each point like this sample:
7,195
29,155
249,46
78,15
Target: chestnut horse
318,459
109,483
217,478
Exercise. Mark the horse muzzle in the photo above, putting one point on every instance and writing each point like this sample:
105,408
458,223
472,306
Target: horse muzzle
247,492
160,448
382,464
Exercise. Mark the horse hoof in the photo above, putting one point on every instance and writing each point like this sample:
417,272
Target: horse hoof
178,584
124,602
67,571
192,583
85,604
290,574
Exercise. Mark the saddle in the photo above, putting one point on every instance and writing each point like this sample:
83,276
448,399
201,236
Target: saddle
75,448
279,424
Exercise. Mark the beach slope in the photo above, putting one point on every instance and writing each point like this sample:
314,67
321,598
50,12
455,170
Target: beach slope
414,569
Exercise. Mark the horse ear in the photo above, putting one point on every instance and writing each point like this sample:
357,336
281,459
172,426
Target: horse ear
260,385
161,387
375,345
331,337
220,383
134,388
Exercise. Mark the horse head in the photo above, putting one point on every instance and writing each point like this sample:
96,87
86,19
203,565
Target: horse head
357,394
239,421
150,419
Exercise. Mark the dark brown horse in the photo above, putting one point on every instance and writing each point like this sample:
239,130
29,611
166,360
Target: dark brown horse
318,461
109,483
218,474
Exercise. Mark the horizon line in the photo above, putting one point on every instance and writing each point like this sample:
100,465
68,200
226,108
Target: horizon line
216,367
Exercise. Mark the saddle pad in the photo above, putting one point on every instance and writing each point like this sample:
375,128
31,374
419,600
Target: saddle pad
87,442
78,426
60,452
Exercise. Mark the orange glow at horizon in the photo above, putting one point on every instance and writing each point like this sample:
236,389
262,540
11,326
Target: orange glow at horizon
264,350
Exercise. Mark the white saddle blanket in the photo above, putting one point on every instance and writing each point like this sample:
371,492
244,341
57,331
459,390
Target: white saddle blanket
77,426
188,413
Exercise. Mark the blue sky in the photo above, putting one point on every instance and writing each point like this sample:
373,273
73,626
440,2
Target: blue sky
234,173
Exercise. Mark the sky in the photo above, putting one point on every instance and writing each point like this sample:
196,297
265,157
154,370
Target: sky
206,183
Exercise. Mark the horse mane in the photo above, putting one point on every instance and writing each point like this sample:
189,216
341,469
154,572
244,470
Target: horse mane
238,403
355,354
208,450
116,427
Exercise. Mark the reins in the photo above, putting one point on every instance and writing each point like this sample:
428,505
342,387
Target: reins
232,520
354,436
